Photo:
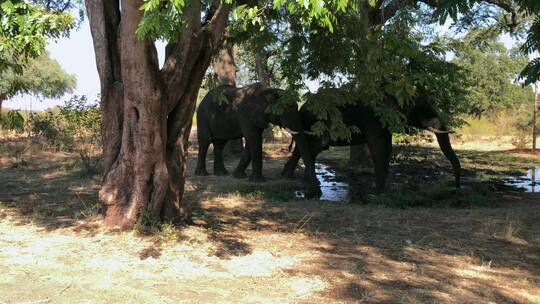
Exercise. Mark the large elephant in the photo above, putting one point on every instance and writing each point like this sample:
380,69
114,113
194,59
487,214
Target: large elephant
228,112
379,139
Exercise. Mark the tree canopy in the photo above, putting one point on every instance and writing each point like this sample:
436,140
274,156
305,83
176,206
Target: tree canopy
381,49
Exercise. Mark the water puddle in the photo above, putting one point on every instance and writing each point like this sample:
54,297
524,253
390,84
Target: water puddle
332,189
529,182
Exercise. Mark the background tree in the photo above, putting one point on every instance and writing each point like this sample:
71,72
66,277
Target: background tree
493,71
41,76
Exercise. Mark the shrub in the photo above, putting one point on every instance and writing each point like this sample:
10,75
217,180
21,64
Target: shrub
76,127
521,140
12,121
82,121
49,125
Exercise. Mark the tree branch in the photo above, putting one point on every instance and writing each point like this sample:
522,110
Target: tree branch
184,83
389,10
217,23
175,52
195,39
137,56
104,17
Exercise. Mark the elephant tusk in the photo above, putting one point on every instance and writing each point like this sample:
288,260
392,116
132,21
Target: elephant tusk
291,131
437,131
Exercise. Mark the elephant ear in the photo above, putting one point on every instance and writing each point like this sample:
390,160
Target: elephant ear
253,111
271,95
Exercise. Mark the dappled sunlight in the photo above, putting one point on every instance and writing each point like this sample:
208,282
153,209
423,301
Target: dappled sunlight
105,260
416,275
269,245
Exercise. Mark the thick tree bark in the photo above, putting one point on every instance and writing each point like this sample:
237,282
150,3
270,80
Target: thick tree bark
2,98
369,17
224,66
104,17
261,66
359,155
146,111
264,76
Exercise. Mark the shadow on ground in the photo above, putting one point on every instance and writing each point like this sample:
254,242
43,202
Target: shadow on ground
363,253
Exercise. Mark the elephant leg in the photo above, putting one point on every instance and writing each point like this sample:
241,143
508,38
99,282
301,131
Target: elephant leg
219,165
380,145
240,171
204,143
254,143
313,185
290,166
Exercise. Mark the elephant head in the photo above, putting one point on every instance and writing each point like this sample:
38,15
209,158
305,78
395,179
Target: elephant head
290,119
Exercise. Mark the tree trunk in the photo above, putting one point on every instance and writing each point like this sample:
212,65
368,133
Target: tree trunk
224,66
261,66
146,111
263,75
359,155
2,98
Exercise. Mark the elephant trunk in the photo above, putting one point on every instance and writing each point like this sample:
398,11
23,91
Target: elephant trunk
291,121
443,138
303,146
446,148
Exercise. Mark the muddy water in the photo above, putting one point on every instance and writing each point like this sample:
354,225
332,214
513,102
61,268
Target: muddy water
332,189
529,182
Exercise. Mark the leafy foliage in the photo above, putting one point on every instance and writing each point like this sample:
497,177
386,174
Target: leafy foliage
25,29
164,19
13,121
48,125
76,127
531,73
381,67
386,64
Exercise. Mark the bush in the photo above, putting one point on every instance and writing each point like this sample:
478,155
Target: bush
521,140
515,122
49,125
76,127
12,121
83,126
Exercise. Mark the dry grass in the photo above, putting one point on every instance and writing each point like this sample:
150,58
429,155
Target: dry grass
253,244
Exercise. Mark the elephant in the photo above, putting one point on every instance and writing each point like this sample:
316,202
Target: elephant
228,113
421,114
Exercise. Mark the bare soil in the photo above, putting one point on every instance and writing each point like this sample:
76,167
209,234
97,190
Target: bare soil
256,243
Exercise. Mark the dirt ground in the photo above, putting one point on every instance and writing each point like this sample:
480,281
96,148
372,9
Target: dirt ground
257,243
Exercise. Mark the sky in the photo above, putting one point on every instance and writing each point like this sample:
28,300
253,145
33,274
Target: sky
76,55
